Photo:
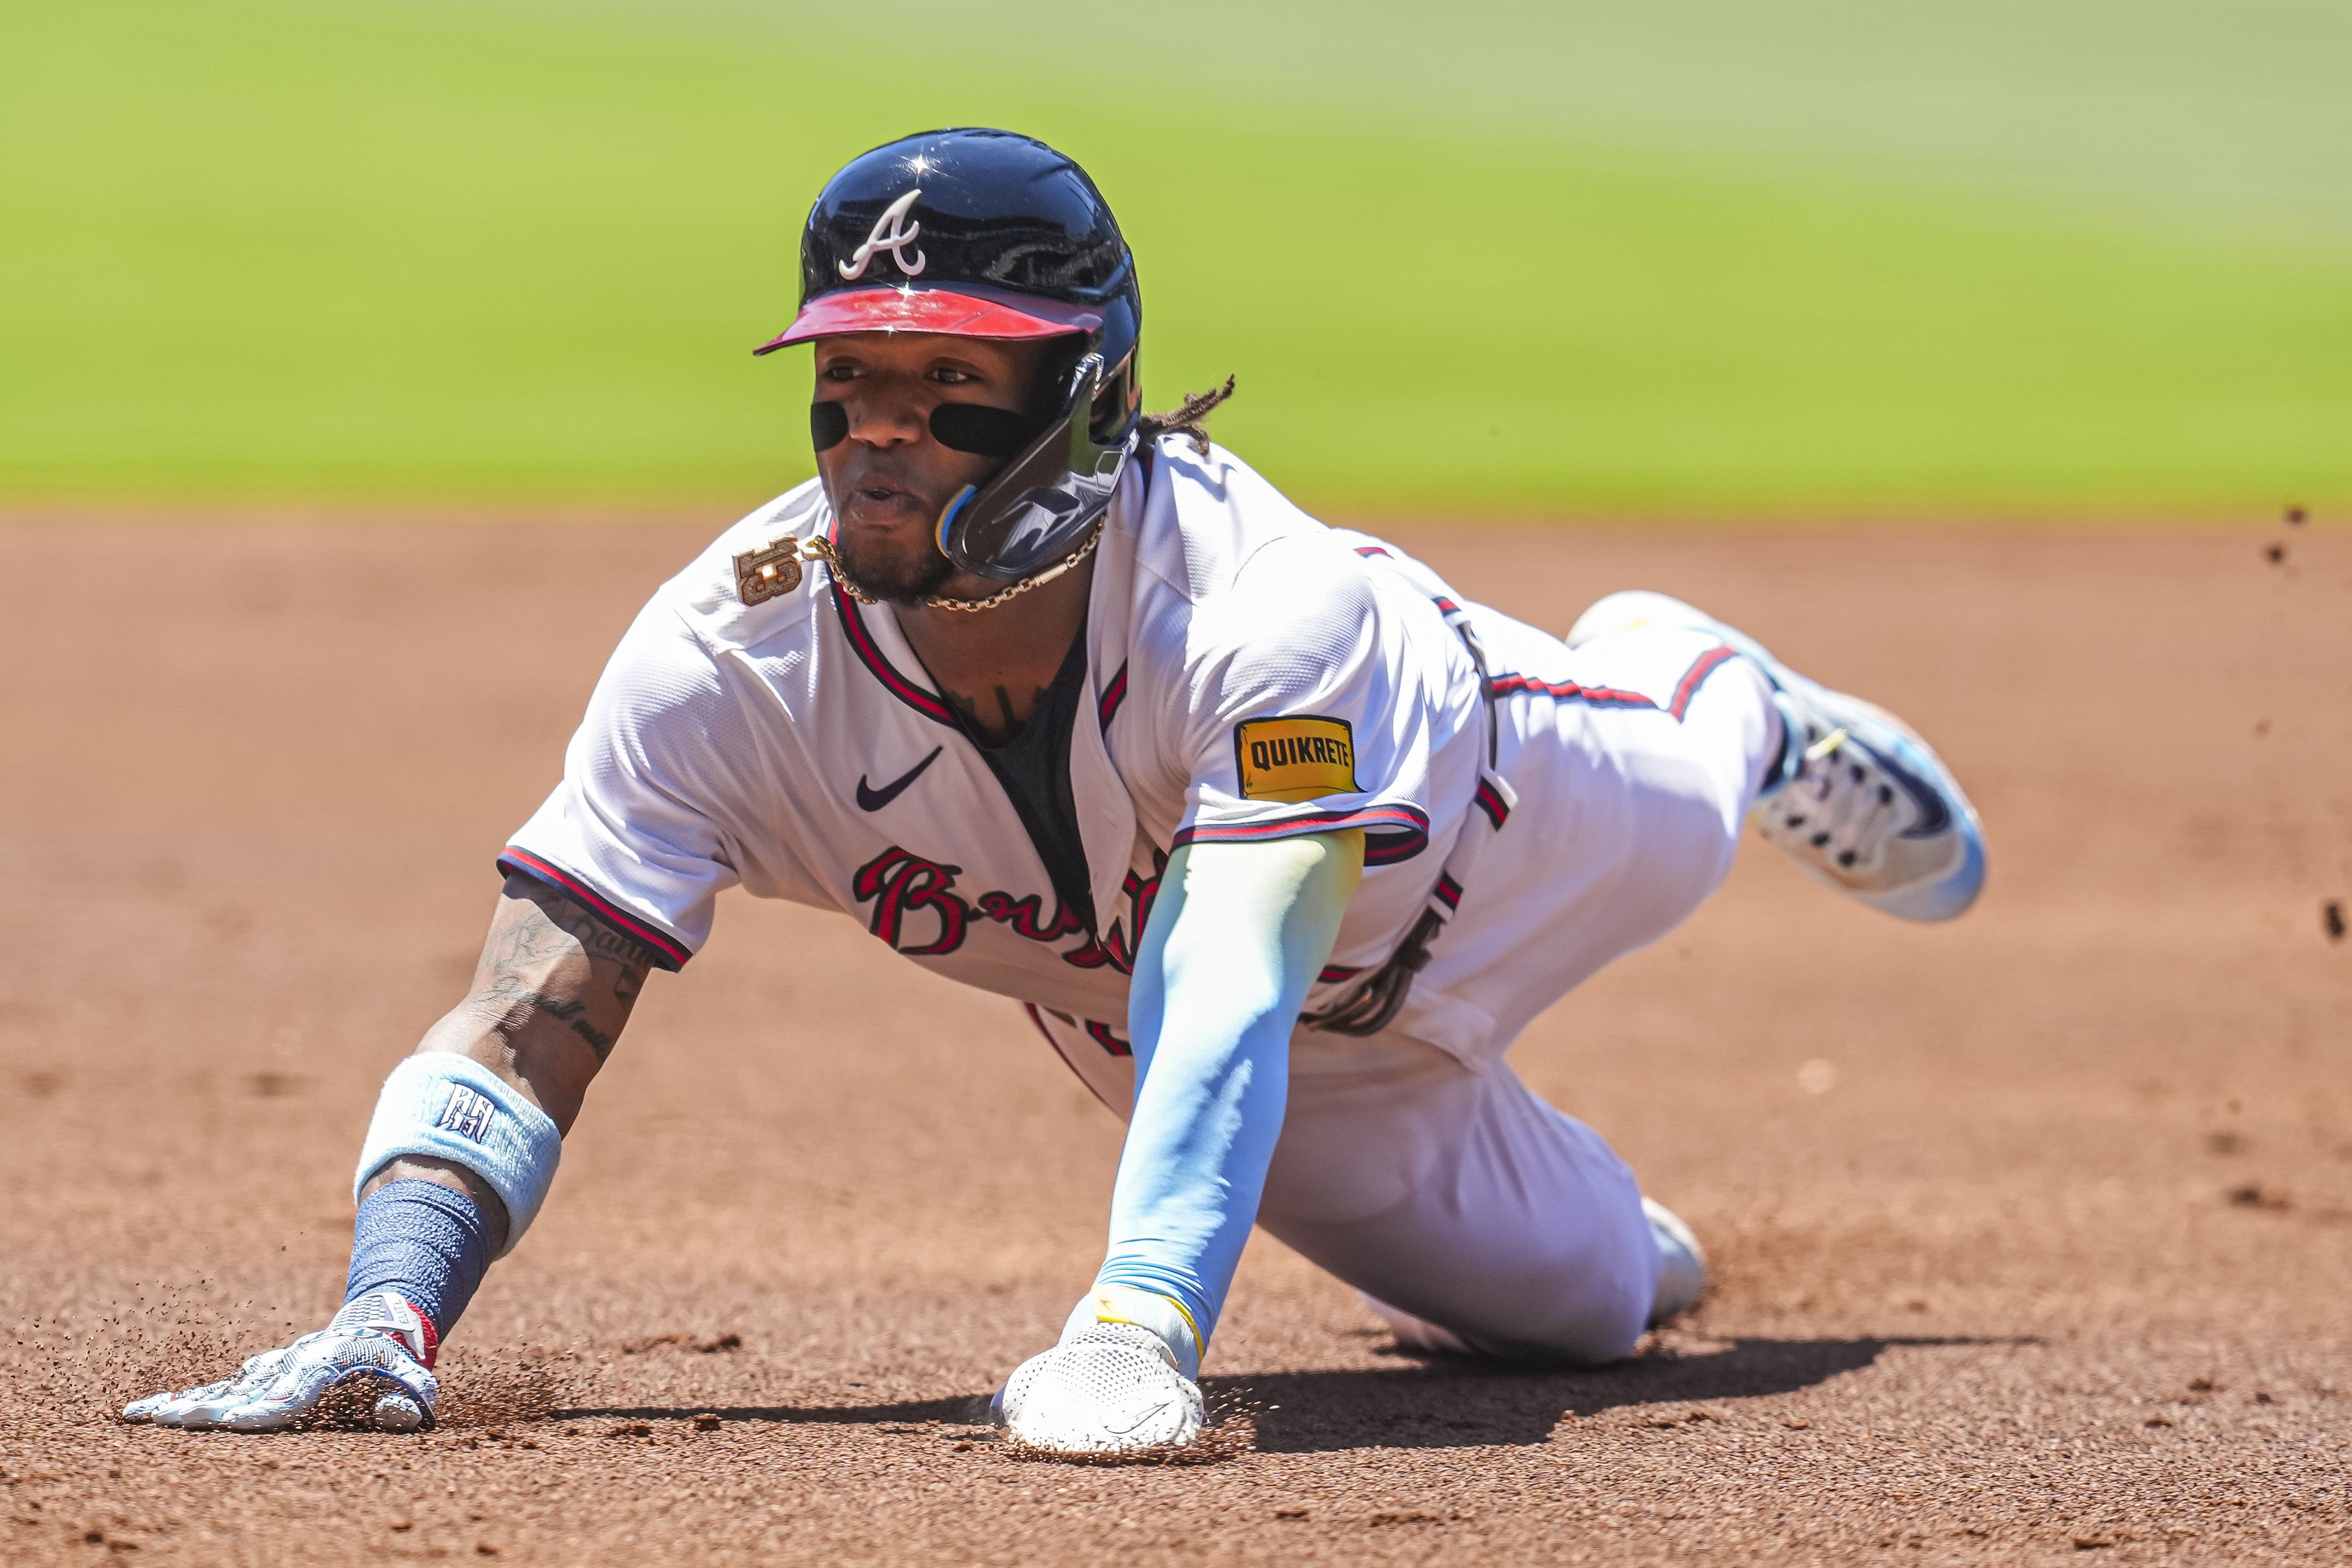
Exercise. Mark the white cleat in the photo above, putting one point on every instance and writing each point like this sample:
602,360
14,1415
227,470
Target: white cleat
1863,804
1682,1264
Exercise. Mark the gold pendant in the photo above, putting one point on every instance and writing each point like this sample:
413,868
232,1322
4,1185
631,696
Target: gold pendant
769,571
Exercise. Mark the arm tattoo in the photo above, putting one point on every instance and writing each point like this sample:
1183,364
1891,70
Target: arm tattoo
574,1015
533,968
541,940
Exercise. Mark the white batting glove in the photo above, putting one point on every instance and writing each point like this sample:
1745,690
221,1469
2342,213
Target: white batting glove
378,1341
1120,1379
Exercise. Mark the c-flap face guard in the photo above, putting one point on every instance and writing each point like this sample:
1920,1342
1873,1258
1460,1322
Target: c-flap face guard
1038,508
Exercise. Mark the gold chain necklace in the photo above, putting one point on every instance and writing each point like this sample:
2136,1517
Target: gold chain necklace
822,550
775,569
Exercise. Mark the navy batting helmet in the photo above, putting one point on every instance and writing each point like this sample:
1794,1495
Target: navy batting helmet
984,234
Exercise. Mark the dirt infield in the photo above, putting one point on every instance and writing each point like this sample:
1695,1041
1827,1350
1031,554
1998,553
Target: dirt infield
2033,1233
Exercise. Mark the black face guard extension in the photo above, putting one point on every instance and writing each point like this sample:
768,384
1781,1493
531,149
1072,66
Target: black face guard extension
1039,506
1038,510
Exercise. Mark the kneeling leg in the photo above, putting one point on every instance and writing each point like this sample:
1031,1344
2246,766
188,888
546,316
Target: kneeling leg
1462,1199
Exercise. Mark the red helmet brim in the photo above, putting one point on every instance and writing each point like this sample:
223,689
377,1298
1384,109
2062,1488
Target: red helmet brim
957,314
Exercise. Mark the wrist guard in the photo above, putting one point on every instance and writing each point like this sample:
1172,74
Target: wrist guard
451,1107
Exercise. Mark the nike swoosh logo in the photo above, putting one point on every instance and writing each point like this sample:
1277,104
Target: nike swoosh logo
1139,1420
872,799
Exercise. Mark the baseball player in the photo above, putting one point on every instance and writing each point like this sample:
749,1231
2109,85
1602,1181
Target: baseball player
1278,840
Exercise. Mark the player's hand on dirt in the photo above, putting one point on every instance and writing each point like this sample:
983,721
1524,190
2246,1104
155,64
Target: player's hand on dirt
1111,1385
374,1350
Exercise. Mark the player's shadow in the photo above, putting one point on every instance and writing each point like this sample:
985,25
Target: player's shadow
1447,1401
1434,1403
961,1410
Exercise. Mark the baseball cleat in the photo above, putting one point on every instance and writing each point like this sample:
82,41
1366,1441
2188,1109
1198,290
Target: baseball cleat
1861,802
1682,1264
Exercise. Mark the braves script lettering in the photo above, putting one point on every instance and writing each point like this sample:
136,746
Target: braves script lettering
902,886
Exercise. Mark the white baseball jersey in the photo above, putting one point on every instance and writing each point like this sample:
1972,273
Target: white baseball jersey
1251,675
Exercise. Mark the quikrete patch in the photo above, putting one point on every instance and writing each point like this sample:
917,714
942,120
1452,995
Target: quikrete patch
1294,759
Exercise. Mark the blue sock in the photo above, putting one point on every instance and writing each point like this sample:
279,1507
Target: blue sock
429,1242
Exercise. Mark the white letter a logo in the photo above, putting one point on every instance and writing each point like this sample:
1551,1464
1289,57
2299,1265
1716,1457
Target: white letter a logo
888,235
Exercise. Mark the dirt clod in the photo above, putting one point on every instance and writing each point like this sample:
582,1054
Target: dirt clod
716,1345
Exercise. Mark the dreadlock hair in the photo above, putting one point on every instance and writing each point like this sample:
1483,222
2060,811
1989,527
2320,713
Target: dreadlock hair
1189,417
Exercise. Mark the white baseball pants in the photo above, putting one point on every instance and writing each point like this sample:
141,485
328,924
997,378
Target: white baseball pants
1448,1190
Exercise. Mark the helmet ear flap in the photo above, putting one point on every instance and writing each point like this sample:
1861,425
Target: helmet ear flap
1118,402
1040,505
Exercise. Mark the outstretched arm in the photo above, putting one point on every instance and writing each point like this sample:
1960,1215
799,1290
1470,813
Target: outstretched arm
549,997
1236,936
551,992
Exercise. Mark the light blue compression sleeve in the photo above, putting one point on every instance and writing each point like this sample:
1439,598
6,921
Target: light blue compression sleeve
1237,934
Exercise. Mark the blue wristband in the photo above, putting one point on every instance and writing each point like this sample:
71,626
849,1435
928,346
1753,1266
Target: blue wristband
429,1242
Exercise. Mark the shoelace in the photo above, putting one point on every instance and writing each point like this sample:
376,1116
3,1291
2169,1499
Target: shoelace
1838,805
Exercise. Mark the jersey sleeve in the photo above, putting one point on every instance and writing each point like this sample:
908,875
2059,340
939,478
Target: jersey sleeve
1311,706
635,831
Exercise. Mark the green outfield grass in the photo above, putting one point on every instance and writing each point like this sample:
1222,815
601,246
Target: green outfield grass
1464,260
